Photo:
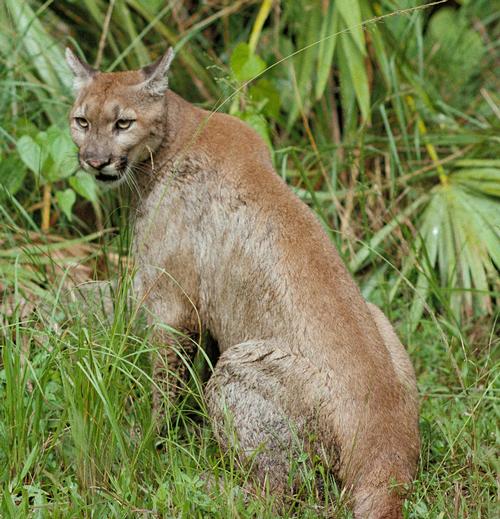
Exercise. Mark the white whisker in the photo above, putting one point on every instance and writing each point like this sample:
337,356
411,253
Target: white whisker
131,181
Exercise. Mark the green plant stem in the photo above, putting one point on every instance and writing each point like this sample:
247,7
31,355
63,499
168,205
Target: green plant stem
431,150
262,15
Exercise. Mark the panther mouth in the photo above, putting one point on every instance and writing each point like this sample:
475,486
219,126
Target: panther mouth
114,174
102,177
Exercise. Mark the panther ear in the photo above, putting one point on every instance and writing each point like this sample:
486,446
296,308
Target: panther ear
83,72
155,75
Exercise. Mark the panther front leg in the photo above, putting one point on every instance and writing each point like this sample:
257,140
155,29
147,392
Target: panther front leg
171,316
172,356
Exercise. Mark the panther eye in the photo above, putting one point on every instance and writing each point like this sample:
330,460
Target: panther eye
123,124
82,122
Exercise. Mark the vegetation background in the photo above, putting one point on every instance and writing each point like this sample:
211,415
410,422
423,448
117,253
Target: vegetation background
383,116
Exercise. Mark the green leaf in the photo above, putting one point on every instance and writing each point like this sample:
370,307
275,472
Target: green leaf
63,153
484,216
84,184
45,76
454,47
12,173
477,163
351,13
446,253
30,153
379,43
347,94
154,6
430,235
304,63
245,64
474,247
484,180
359,79
65,200
326,49
264,92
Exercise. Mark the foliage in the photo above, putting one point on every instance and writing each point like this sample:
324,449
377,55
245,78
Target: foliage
51,156
382,116
77,437
430,105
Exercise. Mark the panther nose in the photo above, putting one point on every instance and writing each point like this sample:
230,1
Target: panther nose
98,163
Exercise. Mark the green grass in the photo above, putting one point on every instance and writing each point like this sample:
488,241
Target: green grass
388,131
78,438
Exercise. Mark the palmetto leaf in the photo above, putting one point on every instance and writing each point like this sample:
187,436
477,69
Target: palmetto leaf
459,243
485,180
427,248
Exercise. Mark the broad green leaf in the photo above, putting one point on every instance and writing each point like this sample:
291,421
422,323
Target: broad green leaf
43,53
30,153
44,139
65,200
12,174
446,253
326,49
51,134
124,17
351,13
263,91
455,52
430,234
357,71
379,45
484,214
245,64
63,152
302,67
47,57
84,184
347,94
470,254
476,246
484,180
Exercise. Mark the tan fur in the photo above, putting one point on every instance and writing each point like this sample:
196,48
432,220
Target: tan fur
221,241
